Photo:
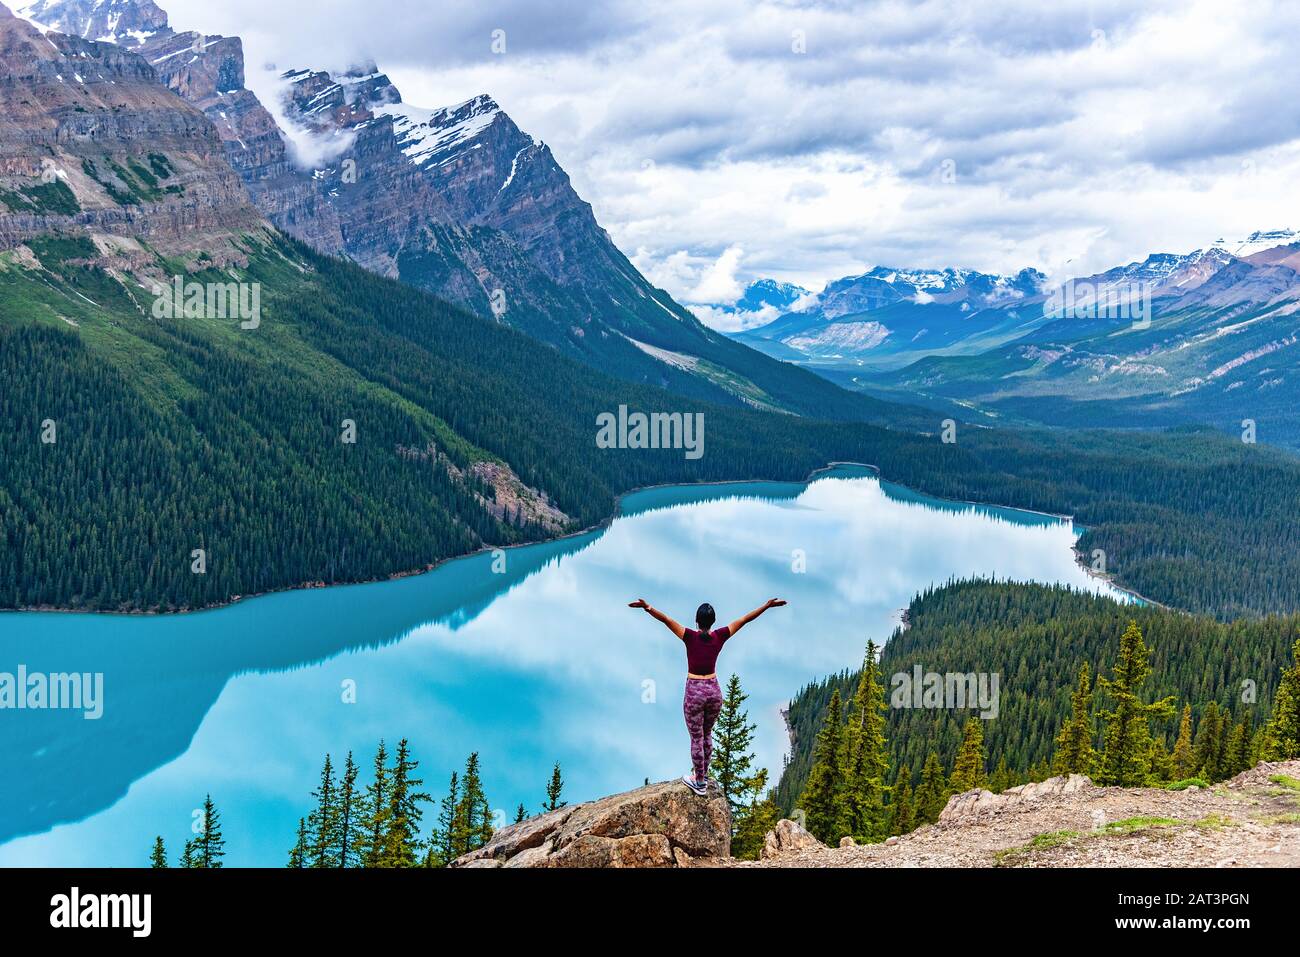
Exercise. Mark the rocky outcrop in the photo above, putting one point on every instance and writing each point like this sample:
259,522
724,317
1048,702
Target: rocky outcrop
1065,821
207,71
788,837
91,140
977,802
662,825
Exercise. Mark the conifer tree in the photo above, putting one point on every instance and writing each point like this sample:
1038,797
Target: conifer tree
554,788
188,852
931,794
1184,757
1259,745
158,858
1282,733
968,769
300,851
1237,753
472,827
866,757
1126,756
823,796
323,821
402,823
756,818
521,814
375,812
1209,743
1040,770
348,812
1074,751
210,845
442,843
1001,778
901,820
732,763
1160,762
752,813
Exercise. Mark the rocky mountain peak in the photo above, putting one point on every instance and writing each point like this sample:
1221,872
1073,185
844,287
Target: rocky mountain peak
366,84
769,293
92,141
885,285
127,23
457,201
1258,241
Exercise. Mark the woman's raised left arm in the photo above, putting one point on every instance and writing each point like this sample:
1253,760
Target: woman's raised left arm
740,623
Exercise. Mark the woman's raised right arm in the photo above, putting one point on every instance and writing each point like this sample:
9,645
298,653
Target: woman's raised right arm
659,616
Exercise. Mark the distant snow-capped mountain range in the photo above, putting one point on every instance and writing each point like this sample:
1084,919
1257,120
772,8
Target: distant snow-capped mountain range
1210,336
887,317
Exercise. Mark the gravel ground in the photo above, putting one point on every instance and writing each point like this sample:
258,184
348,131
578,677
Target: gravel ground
1250,821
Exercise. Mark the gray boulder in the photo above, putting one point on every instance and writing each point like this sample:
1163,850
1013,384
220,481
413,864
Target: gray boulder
662,825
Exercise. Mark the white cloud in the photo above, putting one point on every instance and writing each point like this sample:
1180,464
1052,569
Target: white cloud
719,283
308,149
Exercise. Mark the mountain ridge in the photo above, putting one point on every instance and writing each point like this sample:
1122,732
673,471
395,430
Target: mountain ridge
1204,337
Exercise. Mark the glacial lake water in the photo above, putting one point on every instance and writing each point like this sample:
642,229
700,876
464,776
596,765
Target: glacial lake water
537,663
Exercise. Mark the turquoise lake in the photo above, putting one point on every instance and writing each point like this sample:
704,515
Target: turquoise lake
539,662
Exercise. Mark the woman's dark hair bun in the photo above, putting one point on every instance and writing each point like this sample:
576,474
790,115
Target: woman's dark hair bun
705,617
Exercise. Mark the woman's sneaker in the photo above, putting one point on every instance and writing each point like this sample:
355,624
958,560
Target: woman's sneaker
690,782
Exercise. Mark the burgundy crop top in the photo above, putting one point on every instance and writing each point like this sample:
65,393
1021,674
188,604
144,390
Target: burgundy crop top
702,650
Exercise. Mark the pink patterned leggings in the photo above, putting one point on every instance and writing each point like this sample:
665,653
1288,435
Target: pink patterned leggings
701,705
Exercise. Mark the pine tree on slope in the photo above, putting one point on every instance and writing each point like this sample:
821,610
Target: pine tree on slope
823,796
1074,750
932,793
866,757
1184,757
323,821
1282,734
968,769
1126,755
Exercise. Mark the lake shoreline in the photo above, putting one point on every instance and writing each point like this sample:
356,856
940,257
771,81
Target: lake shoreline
599,526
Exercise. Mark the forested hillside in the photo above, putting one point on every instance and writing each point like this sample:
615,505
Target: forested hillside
163,437
362,428
1036,638
185,434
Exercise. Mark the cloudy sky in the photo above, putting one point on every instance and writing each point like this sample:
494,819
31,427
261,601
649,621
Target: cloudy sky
722,141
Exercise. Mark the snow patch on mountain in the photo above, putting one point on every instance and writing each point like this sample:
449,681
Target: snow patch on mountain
1258,241
127,23
428,137
514,165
